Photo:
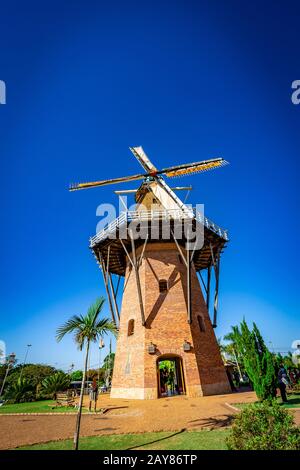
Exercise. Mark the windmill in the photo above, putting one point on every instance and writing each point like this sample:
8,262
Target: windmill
163,315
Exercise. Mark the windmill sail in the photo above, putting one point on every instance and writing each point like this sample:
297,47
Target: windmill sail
94,184
154,173
168,199
142,158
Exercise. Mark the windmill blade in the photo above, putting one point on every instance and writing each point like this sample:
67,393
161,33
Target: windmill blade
94,184
143,159
195,167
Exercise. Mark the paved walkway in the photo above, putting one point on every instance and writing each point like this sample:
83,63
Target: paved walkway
125,416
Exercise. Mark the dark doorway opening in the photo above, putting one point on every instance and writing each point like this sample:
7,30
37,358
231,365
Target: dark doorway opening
170,377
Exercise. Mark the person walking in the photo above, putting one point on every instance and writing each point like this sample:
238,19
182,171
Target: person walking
93,395
283,381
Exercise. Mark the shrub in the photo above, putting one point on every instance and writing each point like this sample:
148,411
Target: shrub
35,373
20,391
264,426
55,383
257,360
76,375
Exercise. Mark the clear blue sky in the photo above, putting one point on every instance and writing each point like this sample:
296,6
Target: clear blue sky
188,81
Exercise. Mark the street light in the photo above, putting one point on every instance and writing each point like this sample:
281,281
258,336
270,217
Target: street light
101,345
28,346
11,360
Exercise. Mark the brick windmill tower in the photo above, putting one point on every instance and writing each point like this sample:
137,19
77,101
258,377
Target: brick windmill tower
166,343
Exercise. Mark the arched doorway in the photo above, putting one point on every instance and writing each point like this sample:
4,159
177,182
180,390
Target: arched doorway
170,376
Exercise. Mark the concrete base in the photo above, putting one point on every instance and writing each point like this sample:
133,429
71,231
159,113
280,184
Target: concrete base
134,393
151,393
216,389
194,391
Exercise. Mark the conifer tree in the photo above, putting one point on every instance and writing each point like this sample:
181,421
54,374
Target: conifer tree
257,360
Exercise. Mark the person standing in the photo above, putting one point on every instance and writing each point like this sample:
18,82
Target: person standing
283,381
93,395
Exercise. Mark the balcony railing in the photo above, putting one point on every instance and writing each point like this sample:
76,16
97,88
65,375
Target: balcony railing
178,214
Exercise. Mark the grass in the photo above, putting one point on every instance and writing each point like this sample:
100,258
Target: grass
43,406
293,402
180,440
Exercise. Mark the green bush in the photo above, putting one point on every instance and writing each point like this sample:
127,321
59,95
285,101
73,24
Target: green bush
55,383
76,375
264,426
20,391
35,373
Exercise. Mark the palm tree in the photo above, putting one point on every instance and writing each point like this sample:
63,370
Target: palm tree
232,348
86,328
18,390
56,383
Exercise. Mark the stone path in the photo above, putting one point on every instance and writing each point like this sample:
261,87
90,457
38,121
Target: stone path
125,416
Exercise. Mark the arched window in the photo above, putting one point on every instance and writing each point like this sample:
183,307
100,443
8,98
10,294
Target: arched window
130,330
163,285
201,323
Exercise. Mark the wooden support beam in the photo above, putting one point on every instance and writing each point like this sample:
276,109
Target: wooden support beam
179,249
203,283
189,256
212,255
189,290
216,265
187,261
137,278
107,288
143,250
208,287
118,284
126,251
113,296
107,264
217,272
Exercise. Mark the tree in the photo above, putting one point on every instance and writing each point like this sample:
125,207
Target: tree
264,426
229,352
286,360
108,366
76,375
109,360
10,362
257,360
35,373
56,383
21,390
86,329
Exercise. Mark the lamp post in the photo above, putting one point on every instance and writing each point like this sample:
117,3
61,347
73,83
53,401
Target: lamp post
11,360
101,346
238,366
26,354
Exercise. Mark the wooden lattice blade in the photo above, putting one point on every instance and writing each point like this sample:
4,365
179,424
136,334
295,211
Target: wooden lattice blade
94,184
195,167
143,159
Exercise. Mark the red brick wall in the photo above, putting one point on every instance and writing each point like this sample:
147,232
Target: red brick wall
167,327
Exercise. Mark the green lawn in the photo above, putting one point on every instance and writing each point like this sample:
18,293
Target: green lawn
201,440
44,406
293,401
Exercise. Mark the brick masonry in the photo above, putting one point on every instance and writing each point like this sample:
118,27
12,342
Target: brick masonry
135,370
